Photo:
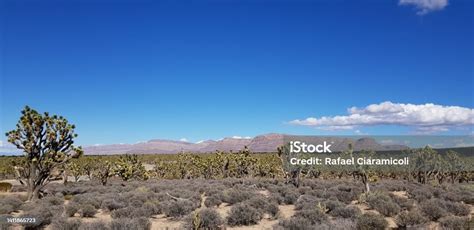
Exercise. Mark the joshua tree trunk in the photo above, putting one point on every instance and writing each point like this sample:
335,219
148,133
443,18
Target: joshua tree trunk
365,180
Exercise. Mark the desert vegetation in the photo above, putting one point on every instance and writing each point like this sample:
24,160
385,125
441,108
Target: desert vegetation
239,202
61,189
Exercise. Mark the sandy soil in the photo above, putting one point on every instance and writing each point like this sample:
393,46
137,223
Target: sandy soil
402,194
160,222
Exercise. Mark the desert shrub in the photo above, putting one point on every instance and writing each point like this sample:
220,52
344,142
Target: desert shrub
112,204
53,200
457,209
421,194
126,212
433,209
71,209
243,214
304,189
178,208
43,216
233,196
272,209
65,224
403,202
276,197
451,196
87,210
88,198
383,204
152,208
131,212
467,196
6,209
93,226
342,224
315,216
263,205
307,202
343,193
204,219
9,204
213,201
296,223
345,212
4,225
454,222
371,221
410,218
333,204
290,196
126,224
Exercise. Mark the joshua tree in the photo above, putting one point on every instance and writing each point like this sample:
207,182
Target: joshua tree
455,165
104,171
75,169
129,166
47,142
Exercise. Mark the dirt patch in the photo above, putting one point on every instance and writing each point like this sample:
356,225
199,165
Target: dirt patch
287,211
402,194
364,208
263,224
391,222
223,210
265,193
160,222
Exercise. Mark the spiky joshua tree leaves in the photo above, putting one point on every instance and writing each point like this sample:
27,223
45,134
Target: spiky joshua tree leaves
47,142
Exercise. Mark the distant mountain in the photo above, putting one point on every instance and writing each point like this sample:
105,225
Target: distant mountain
261,143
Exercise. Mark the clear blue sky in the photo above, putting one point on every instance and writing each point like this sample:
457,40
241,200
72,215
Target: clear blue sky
128,71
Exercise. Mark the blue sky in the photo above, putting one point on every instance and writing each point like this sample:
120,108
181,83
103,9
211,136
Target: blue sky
131,71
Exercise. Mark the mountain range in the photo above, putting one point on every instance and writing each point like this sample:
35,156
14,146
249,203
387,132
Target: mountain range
261,143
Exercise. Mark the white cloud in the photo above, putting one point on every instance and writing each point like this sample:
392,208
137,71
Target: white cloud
183,139
1,143
358,132
425,6
426,118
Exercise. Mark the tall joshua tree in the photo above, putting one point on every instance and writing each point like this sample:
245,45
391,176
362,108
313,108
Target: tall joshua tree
47,142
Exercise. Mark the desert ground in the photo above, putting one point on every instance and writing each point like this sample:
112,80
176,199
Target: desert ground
243,203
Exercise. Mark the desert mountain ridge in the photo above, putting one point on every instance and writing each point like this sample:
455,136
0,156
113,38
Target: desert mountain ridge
261,143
